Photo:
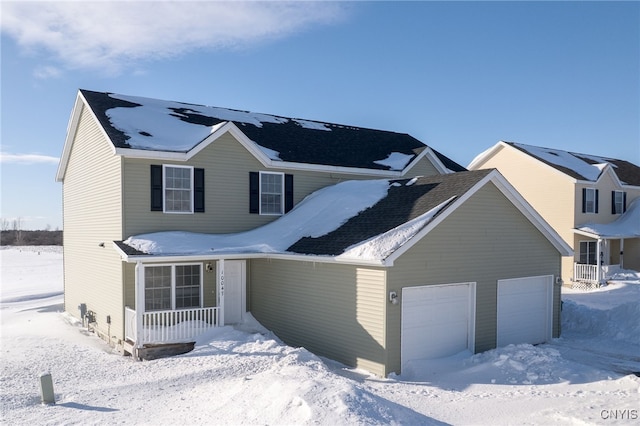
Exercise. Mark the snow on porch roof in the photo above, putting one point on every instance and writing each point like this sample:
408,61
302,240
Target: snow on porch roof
626,226
373,220
158,125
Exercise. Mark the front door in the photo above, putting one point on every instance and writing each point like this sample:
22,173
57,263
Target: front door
234,293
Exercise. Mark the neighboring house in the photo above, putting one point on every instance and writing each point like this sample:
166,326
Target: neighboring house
180,217
591,201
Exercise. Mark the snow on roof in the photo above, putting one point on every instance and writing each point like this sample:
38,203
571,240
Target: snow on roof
577,163
395,161
626,226
146,131
317,215
133,122
383,245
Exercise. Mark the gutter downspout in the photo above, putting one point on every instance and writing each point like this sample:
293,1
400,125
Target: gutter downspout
599,261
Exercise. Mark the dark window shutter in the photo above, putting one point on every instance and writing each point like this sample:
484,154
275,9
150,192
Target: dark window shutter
624,202
198,190
613,202
596,201
254,192
584,200
288,193
156,188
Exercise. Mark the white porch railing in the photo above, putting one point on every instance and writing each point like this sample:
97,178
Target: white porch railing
170,326
589,273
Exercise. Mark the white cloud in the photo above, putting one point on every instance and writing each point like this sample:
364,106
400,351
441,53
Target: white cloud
27,159
113,35
47,71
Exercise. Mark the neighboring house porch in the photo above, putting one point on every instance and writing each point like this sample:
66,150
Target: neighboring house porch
601,248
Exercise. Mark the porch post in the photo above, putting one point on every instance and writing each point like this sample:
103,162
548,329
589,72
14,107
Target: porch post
598,260
139,304
221,290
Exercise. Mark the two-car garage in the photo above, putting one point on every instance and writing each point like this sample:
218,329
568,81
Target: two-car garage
439,320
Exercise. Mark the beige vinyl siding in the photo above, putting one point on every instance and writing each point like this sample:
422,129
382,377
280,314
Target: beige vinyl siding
484,240
227,165
92,215
335,311
549,191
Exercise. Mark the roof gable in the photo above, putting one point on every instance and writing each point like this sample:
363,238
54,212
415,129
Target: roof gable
583,167
144,124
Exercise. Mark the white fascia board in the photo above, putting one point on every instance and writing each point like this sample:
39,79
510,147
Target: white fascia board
72,126
436,221
586,234
512,195
435,161
481,158
255,150
238,256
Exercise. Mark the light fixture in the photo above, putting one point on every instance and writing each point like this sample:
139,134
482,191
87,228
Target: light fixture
393,297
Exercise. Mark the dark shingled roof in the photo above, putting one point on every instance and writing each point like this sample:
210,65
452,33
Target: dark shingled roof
628,173
128,250
402,204
342,146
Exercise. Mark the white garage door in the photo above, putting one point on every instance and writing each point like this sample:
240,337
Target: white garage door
524,310
437,321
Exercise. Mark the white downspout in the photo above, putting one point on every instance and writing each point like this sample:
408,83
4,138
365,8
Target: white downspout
598,261
139,305
221,290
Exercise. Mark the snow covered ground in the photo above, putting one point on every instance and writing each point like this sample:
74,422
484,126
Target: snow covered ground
245,375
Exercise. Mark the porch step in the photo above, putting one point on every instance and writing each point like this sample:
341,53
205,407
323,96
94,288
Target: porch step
163,350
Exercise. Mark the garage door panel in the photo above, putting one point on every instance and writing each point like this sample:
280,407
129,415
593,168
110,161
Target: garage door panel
524,310
436,321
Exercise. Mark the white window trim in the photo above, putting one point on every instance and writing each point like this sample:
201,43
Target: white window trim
586,210
589,242
173,282
621,201
281,194
164,188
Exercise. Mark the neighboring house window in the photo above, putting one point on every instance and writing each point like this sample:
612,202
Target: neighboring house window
170,287
588,252
177,189
270,193
589,200
618,202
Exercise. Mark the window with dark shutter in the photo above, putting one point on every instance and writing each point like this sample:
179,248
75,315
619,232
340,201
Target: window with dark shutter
254,192
198,188
288,193
589,200
156,188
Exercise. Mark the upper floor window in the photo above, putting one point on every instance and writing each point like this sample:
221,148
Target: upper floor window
618,202
270,193
178,185
177,189
589,200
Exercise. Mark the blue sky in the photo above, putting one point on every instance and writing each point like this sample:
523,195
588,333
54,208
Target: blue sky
459,76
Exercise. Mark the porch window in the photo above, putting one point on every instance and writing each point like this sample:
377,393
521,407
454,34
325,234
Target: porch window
618,202
588,252
169,287
589,200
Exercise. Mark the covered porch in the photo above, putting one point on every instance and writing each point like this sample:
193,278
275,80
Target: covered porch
603,250
177,300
